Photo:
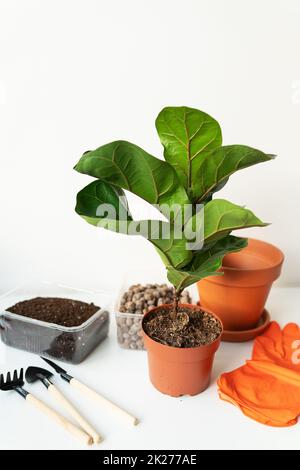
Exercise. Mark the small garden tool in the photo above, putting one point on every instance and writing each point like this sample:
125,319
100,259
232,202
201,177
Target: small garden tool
16,383
37,373
89,392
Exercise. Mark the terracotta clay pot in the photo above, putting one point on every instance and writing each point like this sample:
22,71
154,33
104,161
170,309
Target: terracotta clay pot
239,296
180,371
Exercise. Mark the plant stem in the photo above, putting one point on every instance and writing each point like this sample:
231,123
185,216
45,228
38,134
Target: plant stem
176,298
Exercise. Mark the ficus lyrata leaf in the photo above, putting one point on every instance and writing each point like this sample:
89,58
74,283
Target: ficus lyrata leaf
216,166
127,166
206,262
95,203
187,134
217,219
221,217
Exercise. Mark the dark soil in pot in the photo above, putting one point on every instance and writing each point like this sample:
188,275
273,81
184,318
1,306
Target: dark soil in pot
181,350
63,312
186,329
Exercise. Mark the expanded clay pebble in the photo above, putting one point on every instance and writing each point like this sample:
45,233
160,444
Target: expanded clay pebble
138,300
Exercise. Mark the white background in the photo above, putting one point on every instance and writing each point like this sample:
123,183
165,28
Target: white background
75,74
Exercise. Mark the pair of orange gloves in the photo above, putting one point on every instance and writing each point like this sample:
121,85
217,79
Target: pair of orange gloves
267,387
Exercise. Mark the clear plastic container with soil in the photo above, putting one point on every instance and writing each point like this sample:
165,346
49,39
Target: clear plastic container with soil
137,298
54,320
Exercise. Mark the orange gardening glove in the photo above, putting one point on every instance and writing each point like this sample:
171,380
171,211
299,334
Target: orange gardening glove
267,387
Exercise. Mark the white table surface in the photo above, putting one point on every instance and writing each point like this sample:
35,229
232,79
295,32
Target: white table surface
200,422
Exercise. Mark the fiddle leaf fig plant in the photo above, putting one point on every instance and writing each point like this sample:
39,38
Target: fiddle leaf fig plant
195,234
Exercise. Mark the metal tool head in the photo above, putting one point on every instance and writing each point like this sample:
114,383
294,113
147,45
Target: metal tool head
12,382
33,374
62,372
57,368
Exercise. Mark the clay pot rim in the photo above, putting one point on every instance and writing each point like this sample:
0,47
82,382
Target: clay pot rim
258,270
192,307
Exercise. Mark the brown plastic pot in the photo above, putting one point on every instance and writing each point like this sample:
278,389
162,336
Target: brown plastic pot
239,296
179,371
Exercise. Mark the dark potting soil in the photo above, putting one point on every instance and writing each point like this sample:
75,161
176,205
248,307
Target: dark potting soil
188,329
63,312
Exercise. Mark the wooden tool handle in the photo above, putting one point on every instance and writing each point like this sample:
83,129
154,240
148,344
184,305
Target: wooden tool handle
74,413
59,419
103,401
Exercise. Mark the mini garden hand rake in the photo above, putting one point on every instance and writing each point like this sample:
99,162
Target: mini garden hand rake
16,382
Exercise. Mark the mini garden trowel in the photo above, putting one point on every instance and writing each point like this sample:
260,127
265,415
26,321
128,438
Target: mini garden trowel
37,373
87,391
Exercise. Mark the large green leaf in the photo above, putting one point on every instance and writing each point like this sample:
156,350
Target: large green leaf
206,262
219,164
127,166
216,220
103,205
213,250
221,217
181,278
101,195
187,134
